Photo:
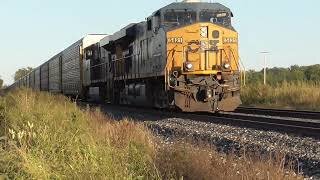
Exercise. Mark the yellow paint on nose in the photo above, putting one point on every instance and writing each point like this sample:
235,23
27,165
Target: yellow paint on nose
207,53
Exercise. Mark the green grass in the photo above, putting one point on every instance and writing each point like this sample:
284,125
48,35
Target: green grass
48,137
301,95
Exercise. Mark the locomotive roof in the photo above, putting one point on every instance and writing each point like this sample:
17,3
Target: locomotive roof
196,6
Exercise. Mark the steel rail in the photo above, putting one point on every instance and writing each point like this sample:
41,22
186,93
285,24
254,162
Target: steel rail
294,126
299,127
280,112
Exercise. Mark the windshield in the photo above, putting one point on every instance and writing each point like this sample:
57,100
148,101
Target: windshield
221,18
179,18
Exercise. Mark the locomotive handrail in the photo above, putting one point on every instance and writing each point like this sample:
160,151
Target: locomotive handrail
123,58
240,66
98,65
244,71
167,65
115,60
237,64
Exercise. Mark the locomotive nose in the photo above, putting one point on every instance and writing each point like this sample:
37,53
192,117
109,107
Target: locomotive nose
204,61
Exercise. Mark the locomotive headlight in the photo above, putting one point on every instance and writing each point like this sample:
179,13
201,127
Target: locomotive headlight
209,94
189,66
227,66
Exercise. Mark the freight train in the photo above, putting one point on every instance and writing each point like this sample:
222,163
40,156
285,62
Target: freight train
184,56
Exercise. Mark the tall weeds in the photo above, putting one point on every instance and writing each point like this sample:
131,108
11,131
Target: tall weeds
48,137
300,95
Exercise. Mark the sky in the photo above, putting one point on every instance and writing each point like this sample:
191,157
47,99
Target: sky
33,31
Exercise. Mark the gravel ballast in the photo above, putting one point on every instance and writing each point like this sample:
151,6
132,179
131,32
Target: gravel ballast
229,138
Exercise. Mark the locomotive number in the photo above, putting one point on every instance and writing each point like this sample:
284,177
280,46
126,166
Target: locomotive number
175,40
230,40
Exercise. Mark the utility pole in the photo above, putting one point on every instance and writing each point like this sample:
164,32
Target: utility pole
243,72
265,53
244,78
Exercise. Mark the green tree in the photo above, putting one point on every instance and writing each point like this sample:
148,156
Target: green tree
313,73
296,75
22,72
279,75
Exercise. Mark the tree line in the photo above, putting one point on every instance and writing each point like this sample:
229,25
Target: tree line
274,75
22,72
292,74
18,75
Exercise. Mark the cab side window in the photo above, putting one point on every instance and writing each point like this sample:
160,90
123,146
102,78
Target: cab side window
149,24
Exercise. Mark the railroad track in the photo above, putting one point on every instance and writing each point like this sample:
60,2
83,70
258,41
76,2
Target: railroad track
309,127
301,127
280,112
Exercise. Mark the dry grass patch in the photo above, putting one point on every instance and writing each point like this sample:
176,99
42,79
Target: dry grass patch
193,162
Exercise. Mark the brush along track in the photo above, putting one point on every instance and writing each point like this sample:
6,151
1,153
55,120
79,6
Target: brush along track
280,112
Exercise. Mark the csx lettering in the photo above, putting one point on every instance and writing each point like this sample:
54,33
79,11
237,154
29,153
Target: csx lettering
175,40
